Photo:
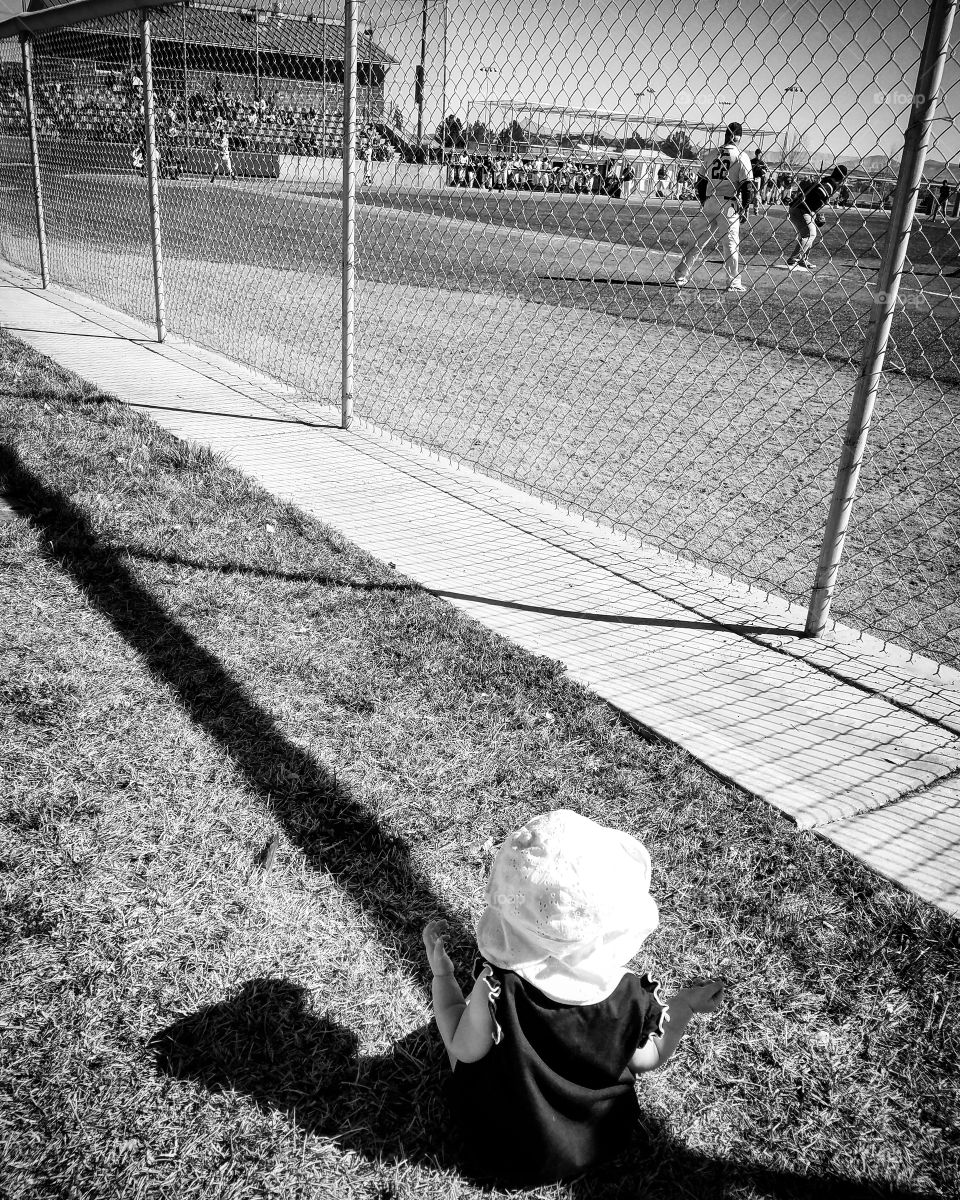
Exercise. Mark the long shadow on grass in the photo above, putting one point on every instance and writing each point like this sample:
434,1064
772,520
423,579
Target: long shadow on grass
245,569
315,810
267,1042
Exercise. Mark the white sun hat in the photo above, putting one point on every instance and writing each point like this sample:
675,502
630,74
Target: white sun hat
568,905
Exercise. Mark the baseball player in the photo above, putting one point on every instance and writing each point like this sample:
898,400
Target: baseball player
725,192
941,198
366,155
806,217
225,164
759,168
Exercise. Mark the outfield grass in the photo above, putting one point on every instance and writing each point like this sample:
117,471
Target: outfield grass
243,762
532,339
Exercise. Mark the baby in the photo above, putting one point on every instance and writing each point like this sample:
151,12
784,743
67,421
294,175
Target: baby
545,1049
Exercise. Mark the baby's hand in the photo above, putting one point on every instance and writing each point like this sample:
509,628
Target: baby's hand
704,995
433,935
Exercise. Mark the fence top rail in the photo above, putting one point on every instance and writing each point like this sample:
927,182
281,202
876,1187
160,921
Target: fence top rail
60,16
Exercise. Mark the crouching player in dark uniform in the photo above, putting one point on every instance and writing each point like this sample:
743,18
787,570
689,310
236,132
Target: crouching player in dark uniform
806,217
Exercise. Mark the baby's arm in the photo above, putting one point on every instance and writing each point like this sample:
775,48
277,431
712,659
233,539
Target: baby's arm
466,1026
698,998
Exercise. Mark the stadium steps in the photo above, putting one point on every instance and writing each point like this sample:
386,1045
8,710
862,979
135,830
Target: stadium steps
851,738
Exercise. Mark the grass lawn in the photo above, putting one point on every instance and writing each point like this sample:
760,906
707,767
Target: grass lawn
243,763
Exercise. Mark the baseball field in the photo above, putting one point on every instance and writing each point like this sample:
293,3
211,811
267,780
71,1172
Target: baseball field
537,338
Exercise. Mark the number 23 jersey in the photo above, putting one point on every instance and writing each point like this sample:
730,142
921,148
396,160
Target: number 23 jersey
725,168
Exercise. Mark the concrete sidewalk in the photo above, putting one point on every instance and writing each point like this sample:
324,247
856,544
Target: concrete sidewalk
854,738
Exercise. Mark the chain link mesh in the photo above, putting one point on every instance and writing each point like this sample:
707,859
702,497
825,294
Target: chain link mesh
527,186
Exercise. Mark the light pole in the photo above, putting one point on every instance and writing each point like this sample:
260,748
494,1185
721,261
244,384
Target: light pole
647,91
443,102
368,34
487,72
789,95
418,86
724,106
186,89
256,50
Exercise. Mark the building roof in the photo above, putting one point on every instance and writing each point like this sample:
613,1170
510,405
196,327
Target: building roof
236,28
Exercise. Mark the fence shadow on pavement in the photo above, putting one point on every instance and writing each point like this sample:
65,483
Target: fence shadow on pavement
623,618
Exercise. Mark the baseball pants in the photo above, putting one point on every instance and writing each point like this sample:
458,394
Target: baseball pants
720,220
806,227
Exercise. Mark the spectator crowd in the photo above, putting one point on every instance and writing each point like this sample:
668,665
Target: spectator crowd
108,107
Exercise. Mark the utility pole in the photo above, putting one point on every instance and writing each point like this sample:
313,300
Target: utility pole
368,34
419,82
487,72
443,111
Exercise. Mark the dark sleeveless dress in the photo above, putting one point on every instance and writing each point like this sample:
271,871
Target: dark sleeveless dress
553,1096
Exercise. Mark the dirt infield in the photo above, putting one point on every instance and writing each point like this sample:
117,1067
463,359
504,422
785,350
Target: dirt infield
823,315
707,425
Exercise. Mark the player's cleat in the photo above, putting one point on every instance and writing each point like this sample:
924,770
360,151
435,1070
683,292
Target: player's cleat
736,286
680,281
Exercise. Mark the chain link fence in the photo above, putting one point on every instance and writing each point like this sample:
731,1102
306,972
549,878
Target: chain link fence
526,190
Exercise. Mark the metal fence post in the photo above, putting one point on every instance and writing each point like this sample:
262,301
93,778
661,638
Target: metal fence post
26,48
150,166
349,209
915,143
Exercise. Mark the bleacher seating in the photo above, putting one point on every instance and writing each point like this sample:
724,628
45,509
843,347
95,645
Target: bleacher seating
289,119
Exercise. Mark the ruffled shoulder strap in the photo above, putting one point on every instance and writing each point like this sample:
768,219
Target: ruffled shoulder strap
654,1006
486,977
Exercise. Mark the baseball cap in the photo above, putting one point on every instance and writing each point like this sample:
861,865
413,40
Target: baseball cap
840,172
735,128
568,905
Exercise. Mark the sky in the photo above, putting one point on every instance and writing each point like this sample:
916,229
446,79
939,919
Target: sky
853,61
